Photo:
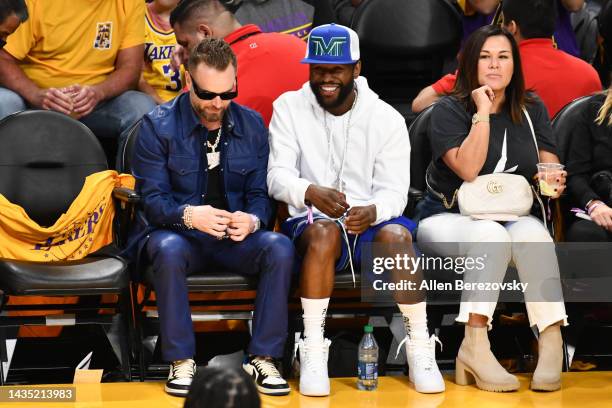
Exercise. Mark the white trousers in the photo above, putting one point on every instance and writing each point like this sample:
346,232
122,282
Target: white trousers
451,234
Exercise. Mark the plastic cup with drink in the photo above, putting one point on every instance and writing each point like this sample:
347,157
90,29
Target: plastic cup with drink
549,175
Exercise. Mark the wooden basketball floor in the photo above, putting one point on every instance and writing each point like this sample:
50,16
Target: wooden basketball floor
580,390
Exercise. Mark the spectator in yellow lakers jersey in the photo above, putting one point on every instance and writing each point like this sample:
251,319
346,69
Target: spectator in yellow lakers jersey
159,80
81,58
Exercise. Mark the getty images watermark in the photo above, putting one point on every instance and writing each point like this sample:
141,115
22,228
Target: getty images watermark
402,264
455,272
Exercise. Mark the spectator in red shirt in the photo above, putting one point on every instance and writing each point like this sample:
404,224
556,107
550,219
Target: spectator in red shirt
557,77
268,63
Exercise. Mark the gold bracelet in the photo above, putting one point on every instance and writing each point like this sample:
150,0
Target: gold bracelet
187,217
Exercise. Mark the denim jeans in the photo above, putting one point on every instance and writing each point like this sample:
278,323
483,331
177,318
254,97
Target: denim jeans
175,255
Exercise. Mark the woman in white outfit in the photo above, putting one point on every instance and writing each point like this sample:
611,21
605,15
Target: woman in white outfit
482,128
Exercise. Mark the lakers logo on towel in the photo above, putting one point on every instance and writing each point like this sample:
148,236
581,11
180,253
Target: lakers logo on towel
76,241
104,36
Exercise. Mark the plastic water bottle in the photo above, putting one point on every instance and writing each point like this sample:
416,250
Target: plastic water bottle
367,368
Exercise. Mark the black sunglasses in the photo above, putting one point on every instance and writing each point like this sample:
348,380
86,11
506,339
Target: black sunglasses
209,96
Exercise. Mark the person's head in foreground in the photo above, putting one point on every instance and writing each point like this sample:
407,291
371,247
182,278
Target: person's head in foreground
216,387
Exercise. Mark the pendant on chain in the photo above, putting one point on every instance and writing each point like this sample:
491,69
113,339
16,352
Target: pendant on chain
213,159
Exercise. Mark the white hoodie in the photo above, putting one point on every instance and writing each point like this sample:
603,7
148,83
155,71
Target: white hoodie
377,165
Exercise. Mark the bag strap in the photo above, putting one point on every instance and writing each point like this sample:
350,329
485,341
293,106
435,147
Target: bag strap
535,193
535,141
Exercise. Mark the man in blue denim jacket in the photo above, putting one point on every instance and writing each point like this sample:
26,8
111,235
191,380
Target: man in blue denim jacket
200,164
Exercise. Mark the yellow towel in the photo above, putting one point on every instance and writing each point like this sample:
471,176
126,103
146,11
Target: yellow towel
86,226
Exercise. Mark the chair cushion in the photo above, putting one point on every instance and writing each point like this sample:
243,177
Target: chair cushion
565,122
408,27
344,280
228,281
88,276
212,281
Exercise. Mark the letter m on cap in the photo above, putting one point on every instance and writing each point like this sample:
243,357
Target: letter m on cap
332,48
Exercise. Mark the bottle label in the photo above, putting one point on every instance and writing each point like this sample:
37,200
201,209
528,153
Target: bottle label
367,371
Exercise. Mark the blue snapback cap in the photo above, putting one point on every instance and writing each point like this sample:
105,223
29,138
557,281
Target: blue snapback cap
332,44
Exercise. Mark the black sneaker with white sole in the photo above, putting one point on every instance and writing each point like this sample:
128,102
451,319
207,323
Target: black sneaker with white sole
180,377
266,376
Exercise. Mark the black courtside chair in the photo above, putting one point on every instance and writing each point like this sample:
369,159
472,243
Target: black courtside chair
45,157
420,157
406,45
564,124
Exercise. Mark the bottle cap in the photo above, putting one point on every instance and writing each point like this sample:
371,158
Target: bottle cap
368,328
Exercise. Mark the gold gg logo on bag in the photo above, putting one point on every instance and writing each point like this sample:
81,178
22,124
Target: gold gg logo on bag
494,187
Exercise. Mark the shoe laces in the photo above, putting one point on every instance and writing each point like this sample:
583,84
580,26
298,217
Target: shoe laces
266,366
183,369
314,355
424,350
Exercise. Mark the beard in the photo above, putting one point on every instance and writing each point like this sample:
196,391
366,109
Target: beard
209,116
343,94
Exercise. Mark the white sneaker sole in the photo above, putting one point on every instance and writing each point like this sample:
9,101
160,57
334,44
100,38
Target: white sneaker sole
428,390
314,393
431,390
175,392
276,391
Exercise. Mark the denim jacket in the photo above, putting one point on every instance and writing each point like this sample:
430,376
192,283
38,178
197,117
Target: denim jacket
171,171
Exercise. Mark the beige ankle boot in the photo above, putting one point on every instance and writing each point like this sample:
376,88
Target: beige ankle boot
476,363
547,375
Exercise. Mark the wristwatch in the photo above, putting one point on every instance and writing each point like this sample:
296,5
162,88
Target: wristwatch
479,118
256,222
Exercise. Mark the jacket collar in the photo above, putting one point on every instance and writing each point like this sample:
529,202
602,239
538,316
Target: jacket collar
190,120
241,33
537,42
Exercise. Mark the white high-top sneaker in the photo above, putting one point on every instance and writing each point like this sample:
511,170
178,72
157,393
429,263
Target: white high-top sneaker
180,377
423,370
314,380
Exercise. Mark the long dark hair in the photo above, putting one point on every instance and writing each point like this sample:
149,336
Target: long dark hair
467,76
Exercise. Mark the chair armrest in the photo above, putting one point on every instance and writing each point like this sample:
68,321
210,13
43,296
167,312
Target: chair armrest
127,200
126,195
414,196
560,213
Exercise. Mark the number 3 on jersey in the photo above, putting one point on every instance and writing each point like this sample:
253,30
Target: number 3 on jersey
175,78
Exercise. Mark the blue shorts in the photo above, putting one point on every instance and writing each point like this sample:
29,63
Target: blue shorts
295,227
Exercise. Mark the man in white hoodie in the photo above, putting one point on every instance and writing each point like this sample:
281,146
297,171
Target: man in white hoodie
340,159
